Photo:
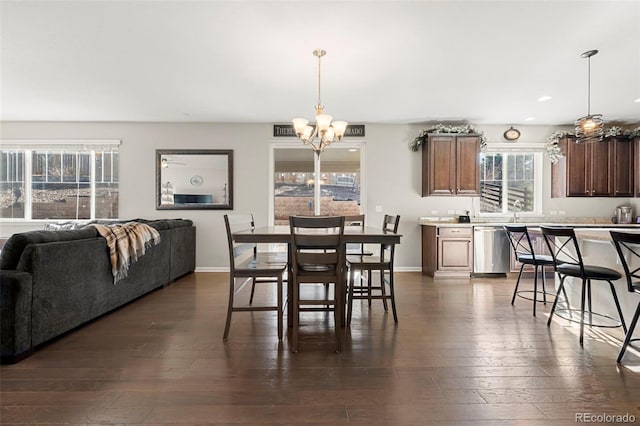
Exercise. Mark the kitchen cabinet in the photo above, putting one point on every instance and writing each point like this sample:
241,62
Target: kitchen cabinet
447,251
450,165
637,166
622,159
603,169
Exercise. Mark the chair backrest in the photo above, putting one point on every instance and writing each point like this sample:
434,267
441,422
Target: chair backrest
239,251
317,244
354,220
520,240
563,246
389,224
628,248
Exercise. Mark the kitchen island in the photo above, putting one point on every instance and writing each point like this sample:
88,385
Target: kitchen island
597,248
448,246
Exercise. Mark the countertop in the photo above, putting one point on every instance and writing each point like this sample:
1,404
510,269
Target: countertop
576,224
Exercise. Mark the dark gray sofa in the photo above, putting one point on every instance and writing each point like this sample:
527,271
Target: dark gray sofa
54,281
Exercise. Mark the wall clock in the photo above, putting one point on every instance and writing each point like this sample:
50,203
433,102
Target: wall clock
196,180
512,134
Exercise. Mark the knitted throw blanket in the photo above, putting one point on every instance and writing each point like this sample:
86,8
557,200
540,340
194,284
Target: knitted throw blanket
126,243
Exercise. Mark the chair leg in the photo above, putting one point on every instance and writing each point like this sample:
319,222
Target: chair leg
589,302
280,308
544,285
351,283
295,299
555,300
629,334
582,303
535,288
615,299
337,315
253,290
515,290
227,326
383,291
392,293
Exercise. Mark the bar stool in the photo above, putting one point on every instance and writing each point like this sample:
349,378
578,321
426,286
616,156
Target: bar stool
563,245
629,243
524,253
364,288
317,257
246,264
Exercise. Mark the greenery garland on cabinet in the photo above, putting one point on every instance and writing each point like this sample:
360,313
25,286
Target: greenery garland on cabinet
444,128
553,151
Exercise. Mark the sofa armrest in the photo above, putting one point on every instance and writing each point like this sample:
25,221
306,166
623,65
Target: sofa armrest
15,315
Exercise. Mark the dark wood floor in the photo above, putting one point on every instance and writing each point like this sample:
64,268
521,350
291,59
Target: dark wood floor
460,355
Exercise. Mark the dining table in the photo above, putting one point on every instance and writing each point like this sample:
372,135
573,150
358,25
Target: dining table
281,234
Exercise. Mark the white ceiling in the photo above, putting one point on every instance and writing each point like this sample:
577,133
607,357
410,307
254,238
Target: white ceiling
387,62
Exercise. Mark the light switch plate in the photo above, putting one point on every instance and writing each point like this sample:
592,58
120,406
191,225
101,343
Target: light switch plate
378,209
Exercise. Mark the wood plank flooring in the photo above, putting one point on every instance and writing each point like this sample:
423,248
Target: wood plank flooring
460,355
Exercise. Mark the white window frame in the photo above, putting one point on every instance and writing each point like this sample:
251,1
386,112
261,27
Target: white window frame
28,146
538,184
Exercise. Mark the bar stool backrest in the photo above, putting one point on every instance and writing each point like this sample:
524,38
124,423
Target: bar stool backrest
239,251
628,247
563,246
389,224
520,240
317,243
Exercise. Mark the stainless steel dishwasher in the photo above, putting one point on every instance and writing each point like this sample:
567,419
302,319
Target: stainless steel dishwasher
491,250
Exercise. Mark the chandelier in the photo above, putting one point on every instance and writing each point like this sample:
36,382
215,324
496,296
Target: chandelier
324,132
589,128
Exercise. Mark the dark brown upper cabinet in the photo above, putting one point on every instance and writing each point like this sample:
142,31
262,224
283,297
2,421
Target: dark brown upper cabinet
603,169
450,165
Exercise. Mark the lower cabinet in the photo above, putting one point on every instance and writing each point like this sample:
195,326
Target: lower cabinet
447,251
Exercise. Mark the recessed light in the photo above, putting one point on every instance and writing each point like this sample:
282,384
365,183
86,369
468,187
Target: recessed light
637,100
352,149
529,119
544,98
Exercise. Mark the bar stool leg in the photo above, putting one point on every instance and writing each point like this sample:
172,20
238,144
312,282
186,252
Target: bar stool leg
229,308
582,303
544,285
555,301
627,338
280,308
615,299
515,290
535,288
383,290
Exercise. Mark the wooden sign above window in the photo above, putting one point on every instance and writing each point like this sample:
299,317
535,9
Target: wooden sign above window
286,130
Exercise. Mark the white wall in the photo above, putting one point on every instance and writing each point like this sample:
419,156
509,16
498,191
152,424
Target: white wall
393,175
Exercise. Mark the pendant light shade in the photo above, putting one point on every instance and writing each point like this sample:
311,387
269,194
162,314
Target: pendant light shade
589,128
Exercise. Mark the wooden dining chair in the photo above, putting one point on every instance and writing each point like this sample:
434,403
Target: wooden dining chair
317,257
356,248
567,258
247,265
360,286
628,247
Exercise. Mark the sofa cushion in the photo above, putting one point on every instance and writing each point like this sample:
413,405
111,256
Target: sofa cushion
58,226
13,248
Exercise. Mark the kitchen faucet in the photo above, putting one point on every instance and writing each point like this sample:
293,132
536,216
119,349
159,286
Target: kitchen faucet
517,206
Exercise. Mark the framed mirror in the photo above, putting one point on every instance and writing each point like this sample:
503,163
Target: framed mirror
194,179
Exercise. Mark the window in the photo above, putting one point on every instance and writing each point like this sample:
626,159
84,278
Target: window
58,181
510,182
294,181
